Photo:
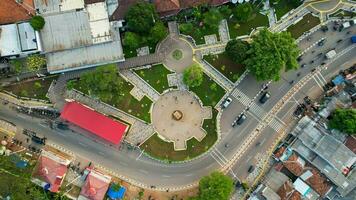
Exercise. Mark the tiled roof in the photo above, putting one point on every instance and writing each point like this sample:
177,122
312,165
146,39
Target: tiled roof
280,152
287,192
167,5
293,165
11,11
50,171
318,182
122,9
95,186
351,143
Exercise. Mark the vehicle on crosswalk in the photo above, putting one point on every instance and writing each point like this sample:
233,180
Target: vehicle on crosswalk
251,169
226,103
239,120
264,97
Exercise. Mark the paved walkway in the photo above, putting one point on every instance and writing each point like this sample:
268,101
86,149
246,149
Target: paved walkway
142,85
173,28
270,13
139,130
224,31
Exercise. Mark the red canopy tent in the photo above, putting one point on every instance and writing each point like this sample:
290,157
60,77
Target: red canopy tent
96,123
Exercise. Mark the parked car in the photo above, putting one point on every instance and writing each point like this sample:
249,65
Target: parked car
265,96
240,119
250,169
226,103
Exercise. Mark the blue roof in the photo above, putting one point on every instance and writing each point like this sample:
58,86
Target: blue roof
116,194
338,80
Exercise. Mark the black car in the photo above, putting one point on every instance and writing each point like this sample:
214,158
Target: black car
240,119
250,169
265,96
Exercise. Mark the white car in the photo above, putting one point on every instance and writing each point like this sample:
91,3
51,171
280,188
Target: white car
227,102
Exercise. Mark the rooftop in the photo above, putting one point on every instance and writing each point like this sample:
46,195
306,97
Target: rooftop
287,192
95,186
11,11
45,7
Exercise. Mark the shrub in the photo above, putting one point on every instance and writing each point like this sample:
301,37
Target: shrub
37,22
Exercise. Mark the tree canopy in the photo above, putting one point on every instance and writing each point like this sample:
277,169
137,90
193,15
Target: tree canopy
270,53
158,32
131,40
344,120
193,76
104,83
237,50
212,18
141,17
37,22
215,186
243,12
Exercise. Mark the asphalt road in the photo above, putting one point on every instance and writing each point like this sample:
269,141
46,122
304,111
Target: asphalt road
150,172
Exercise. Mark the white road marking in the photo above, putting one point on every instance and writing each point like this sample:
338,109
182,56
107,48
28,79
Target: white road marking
249,158
140,155
263,141
189,175
322,77
101,153
81,144
166,176
317,82
143,171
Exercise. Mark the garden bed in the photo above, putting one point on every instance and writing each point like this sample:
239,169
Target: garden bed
343,14
36,89
226,66
307,23
283,7
156,76
238,29
198,34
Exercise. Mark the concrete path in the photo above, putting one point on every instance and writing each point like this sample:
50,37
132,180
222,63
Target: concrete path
224,31
138,82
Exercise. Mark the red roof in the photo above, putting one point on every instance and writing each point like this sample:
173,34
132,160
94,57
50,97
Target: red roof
11,11
50,171
94,122
95,186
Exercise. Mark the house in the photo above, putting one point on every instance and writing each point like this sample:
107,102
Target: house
95,186
89,40
330,156
50,171
12,11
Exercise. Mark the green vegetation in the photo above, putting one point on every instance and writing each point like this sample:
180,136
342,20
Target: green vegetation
307,23
237,50
35,62
37,22
193,76
18,65
344,120
243,12
226,66
270,53
156,76
177,54
145,28
105,84
158,148
36,89
212,18
206,95
237,28
215,186
282,7
343,13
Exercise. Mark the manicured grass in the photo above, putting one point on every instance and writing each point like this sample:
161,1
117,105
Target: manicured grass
238,29
128,103
199,32
158,148
283,7
156,76
209,92
343,13
226,66
177,54
307,23
33,89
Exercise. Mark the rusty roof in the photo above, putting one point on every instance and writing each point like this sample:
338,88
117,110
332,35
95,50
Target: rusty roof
287,192
293,165
11,11
318,182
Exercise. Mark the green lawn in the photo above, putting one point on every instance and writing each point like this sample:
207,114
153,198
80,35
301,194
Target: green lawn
307,23
283,7
199,32
226,66
156,76
209,92
158,148
34,89
238,29
343,13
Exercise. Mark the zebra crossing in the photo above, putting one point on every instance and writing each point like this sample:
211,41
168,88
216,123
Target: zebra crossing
221,159
319,79
255,109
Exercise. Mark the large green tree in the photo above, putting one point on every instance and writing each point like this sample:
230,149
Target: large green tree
131,40
37,22
237,50
344,120
193,76
215,186
271,53
141,17
104,83
158,32
212,18
243,12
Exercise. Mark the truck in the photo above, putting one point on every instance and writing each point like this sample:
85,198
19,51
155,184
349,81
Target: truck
345,25
353,39
330,54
